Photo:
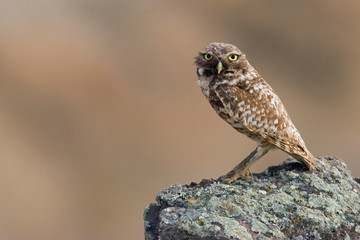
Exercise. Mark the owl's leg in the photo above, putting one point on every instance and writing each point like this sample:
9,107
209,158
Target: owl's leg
242,169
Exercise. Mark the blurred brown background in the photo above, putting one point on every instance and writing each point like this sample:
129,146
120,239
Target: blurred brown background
100,110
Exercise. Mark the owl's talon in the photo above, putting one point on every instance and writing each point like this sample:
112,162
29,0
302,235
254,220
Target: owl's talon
221,179
233,176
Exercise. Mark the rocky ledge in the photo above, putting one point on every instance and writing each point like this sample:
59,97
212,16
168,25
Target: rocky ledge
283,202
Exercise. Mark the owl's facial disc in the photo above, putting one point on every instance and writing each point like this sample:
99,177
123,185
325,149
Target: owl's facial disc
220,59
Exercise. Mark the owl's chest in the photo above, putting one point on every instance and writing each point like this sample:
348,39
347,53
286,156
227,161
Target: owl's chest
237,123
217,105
204,84
208,91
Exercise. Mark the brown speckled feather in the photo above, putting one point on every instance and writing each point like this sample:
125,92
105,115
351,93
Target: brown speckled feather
261,119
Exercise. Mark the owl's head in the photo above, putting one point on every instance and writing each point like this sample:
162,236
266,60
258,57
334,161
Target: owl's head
221,59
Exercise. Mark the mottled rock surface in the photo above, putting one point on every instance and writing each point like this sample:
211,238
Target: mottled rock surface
283,202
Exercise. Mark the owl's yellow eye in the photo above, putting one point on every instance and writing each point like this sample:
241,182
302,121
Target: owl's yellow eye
207,56
233,57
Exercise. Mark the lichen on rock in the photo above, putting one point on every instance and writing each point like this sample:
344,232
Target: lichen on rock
283,202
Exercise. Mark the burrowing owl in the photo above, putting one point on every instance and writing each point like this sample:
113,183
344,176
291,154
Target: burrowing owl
243,99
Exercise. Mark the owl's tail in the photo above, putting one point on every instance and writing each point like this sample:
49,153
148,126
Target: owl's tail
307,159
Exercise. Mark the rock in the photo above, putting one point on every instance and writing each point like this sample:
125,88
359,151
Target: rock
283,202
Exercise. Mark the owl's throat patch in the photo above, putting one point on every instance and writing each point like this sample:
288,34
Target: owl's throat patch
205,72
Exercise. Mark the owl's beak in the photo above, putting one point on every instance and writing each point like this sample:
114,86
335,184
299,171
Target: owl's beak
219,67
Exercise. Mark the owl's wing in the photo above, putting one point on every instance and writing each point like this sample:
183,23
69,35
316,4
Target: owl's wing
263,114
